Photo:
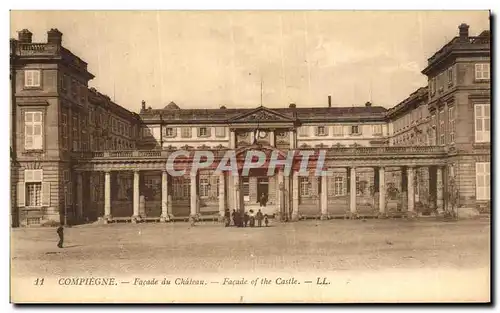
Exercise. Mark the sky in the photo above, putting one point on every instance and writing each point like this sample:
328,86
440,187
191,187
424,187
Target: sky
205,59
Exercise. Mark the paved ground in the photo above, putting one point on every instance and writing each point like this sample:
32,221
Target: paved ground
335,245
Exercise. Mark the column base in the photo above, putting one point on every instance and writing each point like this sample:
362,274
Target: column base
382,215
295,218
221,218
323,217
136,219
107,219
353,215
411,214
164,218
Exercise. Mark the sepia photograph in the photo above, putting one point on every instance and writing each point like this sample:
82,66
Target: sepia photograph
299,156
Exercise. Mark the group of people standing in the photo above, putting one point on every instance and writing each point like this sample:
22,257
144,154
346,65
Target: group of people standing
245,219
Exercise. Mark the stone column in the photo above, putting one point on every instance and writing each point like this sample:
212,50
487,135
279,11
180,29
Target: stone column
281,183
193,204
411,190
381,192
79,195
439,192
135,216
295,196
324,198
292,139
107,196
271,138
232,139
236,192
352,193
164,197
222,196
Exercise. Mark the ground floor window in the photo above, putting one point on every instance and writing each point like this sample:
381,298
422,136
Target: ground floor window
204,188
34,194
304,187
181,188
338,186
483,181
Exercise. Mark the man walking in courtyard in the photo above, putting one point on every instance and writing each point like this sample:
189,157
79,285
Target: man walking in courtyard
60,233
259,218
263,200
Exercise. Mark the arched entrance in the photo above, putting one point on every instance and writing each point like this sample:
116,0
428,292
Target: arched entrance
258,188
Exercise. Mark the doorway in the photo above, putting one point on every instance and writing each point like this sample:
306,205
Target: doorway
263,187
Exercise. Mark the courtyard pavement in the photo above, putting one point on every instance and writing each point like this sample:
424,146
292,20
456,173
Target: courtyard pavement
208,247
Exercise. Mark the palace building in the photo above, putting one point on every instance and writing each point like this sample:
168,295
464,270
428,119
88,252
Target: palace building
77,157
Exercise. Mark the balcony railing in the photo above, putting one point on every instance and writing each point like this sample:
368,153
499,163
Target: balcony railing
340,151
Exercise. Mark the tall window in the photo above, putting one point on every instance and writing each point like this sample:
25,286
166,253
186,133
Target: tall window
482,122
337,130
450,76
451,123
304,187
75,133
204,188
33,180
181,188
203,132
482,71
33,130
377,129
321,131
64,130
355,130
169,132
304,131
32,78
483,180
186,132
246,188
338,189
441,127
220,131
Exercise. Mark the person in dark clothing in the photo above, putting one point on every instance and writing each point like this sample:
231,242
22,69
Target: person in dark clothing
263,200
227,218
259,218
246,218
235,218
266,220
252,218
60,233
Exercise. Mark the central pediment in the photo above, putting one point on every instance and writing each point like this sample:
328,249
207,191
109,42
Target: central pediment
261,115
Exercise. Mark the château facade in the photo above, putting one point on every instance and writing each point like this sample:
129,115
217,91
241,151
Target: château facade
79,157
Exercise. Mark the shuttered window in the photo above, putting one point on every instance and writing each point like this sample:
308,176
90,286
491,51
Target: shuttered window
483,181
482,122
33,130
482,71
33,192
32,78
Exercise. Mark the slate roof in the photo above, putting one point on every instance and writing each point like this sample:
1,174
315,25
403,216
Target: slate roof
325,114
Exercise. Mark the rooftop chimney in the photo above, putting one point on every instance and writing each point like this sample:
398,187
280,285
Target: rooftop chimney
25,36
143,105
54,36
368,104
292,105
329,101
463,31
